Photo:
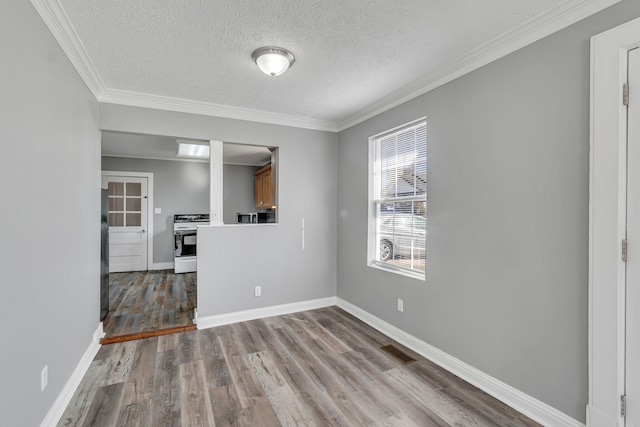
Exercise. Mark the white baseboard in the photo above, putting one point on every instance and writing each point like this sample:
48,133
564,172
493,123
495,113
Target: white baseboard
57,409
529,406
259,313
599,418
161,266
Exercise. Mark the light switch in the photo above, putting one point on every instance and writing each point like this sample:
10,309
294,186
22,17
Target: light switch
157,210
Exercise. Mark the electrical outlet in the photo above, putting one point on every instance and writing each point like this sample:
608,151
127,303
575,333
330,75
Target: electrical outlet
44,377
257,291
400,305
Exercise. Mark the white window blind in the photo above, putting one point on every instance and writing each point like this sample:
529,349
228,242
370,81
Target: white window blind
400,198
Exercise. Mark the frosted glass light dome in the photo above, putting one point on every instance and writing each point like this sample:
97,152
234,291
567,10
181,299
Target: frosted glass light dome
273,61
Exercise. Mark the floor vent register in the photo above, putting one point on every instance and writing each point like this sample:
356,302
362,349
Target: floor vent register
398,354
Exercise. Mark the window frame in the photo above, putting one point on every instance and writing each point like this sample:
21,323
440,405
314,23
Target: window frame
372,240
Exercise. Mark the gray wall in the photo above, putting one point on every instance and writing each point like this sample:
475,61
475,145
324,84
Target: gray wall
239,191
506,289
50,216
179,187
506,286
233,259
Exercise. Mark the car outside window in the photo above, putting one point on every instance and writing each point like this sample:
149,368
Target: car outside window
398,200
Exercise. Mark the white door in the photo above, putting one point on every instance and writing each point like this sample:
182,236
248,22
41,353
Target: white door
632,357
127,222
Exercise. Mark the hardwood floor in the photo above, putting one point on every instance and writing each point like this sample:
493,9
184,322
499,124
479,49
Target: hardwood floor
316,368
149,301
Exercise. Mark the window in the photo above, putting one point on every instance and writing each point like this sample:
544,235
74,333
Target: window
398,199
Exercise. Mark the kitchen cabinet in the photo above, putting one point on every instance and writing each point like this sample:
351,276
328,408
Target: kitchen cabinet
265,190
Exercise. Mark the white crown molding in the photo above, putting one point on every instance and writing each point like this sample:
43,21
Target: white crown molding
60,26
62,401
522,402
535,29
159,102
527,33
260,313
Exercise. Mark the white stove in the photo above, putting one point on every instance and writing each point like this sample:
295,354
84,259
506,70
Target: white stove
185,231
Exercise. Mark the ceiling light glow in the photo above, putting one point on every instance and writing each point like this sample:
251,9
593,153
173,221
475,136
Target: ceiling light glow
273,61
193,150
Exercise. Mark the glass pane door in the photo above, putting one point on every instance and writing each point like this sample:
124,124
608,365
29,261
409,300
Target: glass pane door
125,204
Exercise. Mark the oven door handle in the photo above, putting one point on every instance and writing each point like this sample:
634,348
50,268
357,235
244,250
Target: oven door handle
185,231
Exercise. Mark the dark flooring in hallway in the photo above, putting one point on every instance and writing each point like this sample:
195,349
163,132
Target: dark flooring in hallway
147,301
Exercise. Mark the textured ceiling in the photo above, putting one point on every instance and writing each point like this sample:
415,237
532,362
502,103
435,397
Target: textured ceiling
349,53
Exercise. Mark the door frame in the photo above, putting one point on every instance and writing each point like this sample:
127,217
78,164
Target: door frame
149,176
607,222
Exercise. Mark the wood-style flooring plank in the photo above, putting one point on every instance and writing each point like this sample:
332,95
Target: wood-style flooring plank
376,404
288,408
318,368
399,420
194,396
407,405
378,407
105,407
136,401
366,387
442,406
119,364
359,343
134,412
226,404
328,379
76,411
166,390
146,301
315,397
321,334
250,392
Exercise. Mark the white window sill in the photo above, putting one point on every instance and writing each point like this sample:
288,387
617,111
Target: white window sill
399,271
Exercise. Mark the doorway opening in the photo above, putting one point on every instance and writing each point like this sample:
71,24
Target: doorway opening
614,210
150,303
149,184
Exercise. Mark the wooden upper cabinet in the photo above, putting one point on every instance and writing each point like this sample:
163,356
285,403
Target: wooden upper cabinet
265,191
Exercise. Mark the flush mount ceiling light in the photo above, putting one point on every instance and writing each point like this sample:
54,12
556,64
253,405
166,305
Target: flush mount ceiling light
272,60
189,149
